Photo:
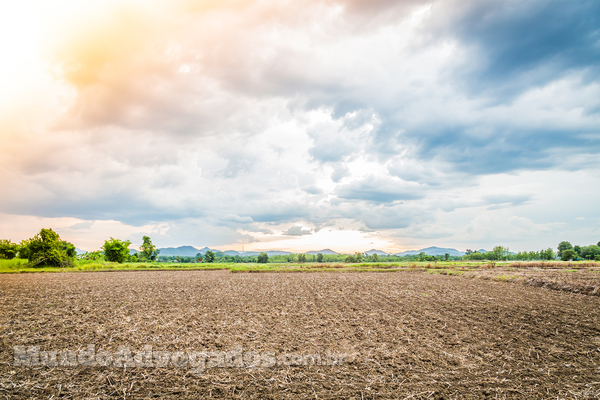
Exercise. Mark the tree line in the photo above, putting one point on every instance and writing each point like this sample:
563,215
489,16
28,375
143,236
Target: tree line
566,252
47,249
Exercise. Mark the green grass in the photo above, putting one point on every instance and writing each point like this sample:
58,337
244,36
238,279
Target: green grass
442,267
20,266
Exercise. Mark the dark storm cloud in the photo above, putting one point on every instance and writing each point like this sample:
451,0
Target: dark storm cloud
519,44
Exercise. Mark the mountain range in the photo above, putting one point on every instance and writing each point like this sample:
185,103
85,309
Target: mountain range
190,251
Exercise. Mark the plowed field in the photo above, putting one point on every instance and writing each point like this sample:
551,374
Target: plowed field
405,335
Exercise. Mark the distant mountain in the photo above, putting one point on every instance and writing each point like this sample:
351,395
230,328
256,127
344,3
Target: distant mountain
79,251
277,253
249,253
378,252
325,252
432,251
184,251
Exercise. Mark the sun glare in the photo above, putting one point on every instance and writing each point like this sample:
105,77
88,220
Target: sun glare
19,47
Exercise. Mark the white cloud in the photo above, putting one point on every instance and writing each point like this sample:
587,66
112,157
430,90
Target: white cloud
224,124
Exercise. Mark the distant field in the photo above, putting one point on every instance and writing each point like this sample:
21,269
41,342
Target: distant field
577,277
20,266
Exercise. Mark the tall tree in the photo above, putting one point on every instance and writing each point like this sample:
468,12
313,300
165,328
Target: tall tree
263,258
209,256
562,246
148,250
590,252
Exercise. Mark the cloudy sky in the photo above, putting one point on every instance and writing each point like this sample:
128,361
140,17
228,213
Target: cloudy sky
302,125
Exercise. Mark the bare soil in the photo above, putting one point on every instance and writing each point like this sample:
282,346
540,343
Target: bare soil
410,334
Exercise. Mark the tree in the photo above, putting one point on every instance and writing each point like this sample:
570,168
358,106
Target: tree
116,250
590,252
320,258
374,258
498,253
475,255
148,250
209,257
446,256
8,249
422,256
547,254
263,258
562,246
577,250
301,258
568,255
46,248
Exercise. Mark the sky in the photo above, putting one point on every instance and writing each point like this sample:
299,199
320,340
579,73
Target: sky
301,125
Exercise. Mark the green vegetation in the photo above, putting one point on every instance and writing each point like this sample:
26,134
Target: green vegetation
18,265
209,257
46,249
568,254
564,246
148,251
116,250
263,258
8,249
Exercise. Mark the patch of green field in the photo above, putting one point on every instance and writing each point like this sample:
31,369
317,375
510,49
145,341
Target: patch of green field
21,266
442,267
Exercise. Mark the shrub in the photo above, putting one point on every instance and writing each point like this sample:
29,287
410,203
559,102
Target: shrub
568,254
263,258
46,249
116,250
8,249
209,256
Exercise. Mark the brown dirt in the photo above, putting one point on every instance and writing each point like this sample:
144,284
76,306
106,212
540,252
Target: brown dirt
412,335
583,280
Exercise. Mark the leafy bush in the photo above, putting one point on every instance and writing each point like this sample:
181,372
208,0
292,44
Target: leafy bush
116,250
568,254
8,249
46,249
263,258
590,252
209,257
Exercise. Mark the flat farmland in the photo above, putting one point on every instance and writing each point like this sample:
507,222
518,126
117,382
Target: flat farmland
396,335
